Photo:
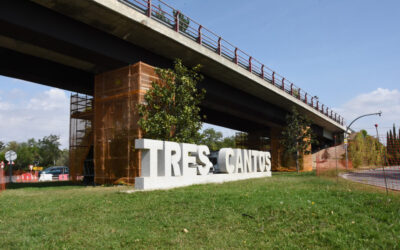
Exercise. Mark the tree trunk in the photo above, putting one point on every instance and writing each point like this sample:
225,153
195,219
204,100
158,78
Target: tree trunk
297,161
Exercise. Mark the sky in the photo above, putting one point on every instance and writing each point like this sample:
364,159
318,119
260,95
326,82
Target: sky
345,52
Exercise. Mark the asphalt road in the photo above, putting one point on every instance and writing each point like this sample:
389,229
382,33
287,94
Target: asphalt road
376,177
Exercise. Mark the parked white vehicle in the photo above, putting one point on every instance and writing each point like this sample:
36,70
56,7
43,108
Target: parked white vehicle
46,177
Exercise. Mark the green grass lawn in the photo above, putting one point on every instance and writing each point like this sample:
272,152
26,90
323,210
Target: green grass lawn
285,211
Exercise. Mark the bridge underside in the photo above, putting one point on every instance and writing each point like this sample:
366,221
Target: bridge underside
113,124
59,51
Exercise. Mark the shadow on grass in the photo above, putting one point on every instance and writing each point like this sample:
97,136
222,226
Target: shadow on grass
44,184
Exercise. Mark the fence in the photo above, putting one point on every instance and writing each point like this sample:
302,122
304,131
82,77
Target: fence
370,162
19,176
174,19
2,180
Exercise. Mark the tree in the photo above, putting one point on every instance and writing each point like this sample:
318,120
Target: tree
44,152
228,142
325,155
12,145
2,151
160,14
297,135
28,153
63,160
215,140
183,21
49,150
211,138
171,111
393,146
365,150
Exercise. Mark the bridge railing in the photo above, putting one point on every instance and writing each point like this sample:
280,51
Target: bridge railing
174,19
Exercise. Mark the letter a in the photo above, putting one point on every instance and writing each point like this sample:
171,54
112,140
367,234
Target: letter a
238,161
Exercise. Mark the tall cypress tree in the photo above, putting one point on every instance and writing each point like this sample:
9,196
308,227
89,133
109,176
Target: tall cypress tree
393,146
390,147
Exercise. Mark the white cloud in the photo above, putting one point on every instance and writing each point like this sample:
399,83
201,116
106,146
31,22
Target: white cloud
385,100
39,115
4,106
50,100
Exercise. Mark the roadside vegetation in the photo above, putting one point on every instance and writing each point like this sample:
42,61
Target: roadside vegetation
296,138
288,210
393,147
44,152
366,150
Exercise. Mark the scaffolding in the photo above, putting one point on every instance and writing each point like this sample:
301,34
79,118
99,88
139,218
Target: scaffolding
81,138
116,123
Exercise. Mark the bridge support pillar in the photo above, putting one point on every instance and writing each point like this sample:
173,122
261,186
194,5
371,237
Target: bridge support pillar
115,122
257,140
282,161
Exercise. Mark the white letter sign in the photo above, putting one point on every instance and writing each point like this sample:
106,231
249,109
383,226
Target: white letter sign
169,164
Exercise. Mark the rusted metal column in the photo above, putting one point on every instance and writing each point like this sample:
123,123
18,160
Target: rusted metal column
236,56
219,46
250,68
177,21
273,78
149,8
262,71
199,35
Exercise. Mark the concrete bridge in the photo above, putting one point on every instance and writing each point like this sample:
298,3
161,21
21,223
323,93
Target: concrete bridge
71,44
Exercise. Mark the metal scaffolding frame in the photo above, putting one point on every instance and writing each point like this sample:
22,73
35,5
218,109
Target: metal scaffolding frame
81,138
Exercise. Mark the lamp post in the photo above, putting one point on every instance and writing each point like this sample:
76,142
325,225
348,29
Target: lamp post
383,164
346,134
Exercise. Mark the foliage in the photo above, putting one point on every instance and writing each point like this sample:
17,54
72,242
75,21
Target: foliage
160,14
63,159
44,152
285,211
228,142
296,93
393,146
325,155
171,109
241,140
28,154
49,150
215,140
12,145
184,22
365,150
297,136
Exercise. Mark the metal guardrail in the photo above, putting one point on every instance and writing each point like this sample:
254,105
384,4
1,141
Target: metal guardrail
174,19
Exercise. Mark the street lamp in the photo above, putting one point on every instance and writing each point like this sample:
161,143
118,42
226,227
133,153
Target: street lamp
347,129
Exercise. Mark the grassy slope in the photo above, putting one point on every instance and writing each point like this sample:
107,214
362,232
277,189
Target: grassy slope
286,211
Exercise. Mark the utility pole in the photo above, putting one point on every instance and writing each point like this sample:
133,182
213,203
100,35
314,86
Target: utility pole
383,165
